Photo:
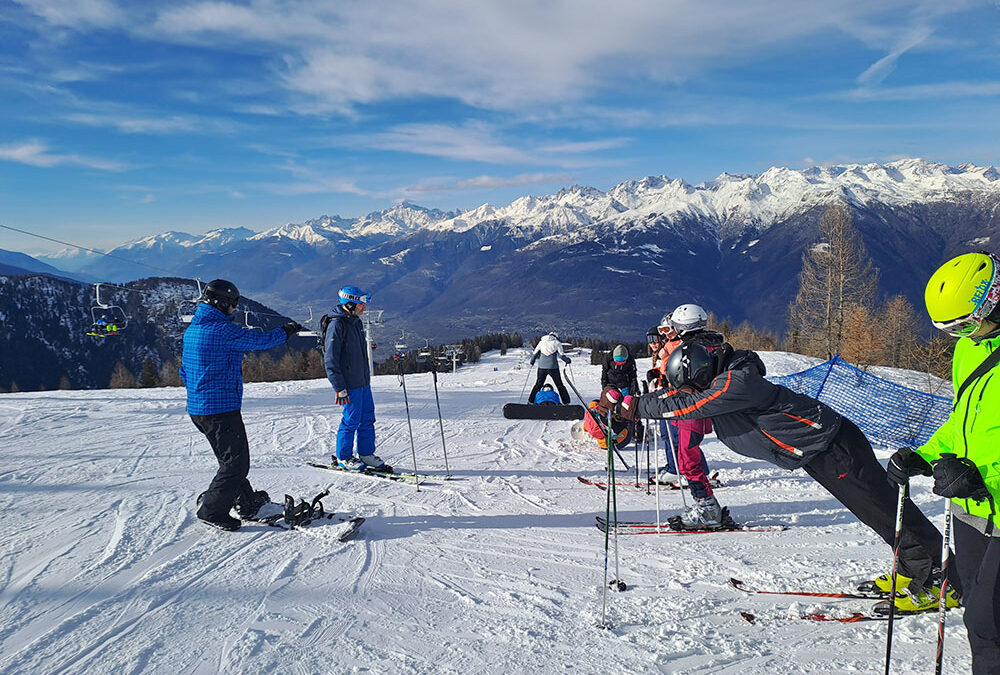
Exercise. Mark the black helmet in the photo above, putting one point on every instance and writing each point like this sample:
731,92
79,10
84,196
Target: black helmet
222,294
690,365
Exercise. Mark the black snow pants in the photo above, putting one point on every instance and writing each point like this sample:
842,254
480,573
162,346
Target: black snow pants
851,473
556,379
977,560
228,437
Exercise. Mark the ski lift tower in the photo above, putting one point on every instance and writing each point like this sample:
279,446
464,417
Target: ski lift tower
453,351
371,318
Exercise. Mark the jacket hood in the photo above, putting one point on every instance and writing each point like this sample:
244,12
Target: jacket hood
741,359
208,314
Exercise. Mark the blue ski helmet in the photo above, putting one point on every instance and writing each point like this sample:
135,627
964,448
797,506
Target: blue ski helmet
349,294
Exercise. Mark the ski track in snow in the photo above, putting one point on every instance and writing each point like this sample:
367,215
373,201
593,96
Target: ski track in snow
498,570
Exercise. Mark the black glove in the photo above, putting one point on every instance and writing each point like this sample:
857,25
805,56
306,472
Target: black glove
567,360
652,375
291,328
954,477
905,463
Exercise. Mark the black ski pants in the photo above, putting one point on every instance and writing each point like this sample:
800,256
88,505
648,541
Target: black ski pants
228,437
851,473
977,560
556,379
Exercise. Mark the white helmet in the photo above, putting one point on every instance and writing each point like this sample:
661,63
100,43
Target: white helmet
688,318
665,321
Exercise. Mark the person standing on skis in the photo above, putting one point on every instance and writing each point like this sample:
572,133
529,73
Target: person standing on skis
346,359
688,323
963,455
548,350
211,369
759,419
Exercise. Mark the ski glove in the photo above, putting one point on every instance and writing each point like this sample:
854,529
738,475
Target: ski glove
905,463
343,398
567,360
954,477
291,328
652,375
627,408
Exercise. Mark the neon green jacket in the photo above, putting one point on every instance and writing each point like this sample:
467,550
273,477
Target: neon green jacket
973,428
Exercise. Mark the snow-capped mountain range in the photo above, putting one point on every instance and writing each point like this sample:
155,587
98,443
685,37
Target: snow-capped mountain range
733,244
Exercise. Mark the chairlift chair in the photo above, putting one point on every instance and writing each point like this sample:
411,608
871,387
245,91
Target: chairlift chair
106,319
246,321
188,318
310,332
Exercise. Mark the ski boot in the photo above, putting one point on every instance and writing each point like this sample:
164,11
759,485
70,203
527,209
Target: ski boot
374,463
350,464
917,601
703,514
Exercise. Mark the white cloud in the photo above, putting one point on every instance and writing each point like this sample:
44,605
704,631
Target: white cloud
509,55
36,153
76,14
172,124
935,91
490,182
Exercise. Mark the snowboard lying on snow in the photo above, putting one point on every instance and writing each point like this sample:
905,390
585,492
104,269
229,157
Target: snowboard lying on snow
544,411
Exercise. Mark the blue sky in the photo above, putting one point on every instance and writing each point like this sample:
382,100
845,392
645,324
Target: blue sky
122,119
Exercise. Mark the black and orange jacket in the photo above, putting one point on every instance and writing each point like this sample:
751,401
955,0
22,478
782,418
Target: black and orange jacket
751,415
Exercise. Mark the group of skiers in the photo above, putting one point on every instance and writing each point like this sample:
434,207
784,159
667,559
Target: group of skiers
698,383
706,380
211,369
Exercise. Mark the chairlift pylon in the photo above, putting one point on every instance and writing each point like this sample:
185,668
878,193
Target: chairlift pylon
106,319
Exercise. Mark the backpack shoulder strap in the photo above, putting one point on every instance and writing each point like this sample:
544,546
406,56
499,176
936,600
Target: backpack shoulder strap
986,366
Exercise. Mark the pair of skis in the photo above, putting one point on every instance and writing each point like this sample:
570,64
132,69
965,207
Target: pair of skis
671,526
879,612
672,485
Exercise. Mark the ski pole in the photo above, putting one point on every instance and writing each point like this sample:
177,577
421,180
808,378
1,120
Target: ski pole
619,585
588,411
677,464
527,376
406,401
900,501
656,488
645,436
607,525
434,372
943,600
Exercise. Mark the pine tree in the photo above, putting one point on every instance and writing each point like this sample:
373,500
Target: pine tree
121,378
836,274
14,388
148,377
861,344
64,383
169,375
898,327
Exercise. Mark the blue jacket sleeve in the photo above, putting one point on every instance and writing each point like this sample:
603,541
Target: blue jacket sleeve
332,349
247,340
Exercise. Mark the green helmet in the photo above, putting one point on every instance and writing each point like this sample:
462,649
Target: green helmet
963,292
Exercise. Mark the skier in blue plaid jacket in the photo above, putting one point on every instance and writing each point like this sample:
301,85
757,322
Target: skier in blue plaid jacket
211,368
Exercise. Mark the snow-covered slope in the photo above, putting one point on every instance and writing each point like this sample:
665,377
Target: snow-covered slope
498,570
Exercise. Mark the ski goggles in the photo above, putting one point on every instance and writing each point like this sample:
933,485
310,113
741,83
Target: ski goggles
961,327
362,298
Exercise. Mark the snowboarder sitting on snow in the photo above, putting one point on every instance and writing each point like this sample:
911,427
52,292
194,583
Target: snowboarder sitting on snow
758,419
548,350
619,427
211,366
347,369
547,396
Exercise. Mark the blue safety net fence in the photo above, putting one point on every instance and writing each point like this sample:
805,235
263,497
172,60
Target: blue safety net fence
888,413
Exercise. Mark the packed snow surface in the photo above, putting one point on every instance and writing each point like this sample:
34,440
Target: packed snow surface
498,570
